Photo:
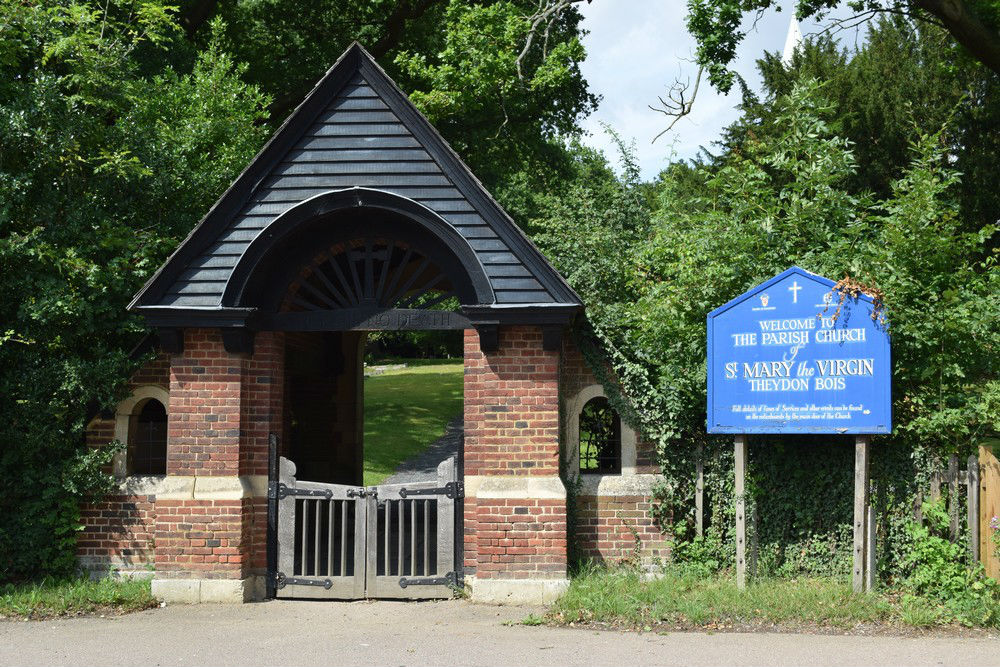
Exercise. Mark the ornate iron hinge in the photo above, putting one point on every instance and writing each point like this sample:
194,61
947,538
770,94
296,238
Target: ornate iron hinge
285,491
449,490
280,581
449,579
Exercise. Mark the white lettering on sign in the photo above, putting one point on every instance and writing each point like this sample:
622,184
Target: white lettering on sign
840,336
846,367
788,325
767,369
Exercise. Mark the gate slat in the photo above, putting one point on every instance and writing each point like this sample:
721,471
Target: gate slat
427,538
317,521
413,537
330,514
305,538
343,538
388,531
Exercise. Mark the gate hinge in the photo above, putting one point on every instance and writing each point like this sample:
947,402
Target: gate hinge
284,491
449,579
280,581
449,490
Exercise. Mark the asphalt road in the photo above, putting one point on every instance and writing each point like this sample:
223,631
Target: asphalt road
432,633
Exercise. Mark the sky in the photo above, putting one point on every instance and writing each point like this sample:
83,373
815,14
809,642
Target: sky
636,48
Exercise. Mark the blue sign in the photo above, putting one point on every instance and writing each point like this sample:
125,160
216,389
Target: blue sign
791,356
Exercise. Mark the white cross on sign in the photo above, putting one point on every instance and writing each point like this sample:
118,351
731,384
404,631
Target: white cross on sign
794,289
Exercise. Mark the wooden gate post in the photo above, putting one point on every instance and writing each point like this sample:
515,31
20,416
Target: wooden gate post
740,452
864,539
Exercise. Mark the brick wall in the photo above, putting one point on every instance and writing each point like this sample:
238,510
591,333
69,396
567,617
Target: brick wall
511,405
607,528
222,408
119,531
512,430
202,538
606,525
520,539
574,375
203,422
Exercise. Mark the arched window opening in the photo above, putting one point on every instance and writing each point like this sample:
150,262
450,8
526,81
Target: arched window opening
147,444
600,438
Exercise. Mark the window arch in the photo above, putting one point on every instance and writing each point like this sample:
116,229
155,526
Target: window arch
141,424
591,405
147,442
600,438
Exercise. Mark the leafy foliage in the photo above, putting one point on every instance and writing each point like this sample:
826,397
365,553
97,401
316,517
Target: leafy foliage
104,169
121,122
789,189
938,573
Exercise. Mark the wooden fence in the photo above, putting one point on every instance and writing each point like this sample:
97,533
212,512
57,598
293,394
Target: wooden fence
951,480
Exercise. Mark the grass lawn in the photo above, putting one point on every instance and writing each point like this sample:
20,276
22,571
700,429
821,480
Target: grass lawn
406,410
680,600
69,597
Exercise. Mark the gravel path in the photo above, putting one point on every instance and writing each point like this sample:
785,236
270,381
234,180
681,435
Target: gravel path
423,466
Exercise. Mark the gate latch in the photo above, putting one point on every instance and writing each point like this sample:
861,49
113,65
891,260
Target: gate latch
362,492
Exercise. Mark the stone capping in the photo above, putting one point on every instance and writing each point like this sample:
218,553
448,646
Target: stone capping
188,487
516,591
200,591
573,409
123,414
618,485
549,487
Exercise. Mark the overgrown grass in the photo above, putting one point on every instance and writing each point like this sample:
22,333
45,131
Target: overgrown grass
681,598
406,410
69,597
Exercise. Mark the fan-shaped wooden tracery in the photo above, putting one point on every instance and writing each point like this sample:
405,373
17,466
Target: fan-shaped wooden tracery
380,283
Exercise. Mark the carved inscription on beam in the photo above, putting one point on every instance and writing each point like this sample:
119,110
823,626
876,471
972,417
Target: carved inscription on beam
364,319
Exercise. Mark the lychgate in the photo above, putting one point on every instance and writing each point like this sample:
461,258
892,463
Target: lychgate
357,217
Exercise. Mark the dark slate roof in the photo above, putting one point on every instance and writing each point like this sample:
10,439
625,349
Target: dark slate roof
355,129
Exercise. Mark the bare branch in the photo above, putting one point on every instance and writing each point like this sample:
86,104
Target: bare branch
677,104
545,16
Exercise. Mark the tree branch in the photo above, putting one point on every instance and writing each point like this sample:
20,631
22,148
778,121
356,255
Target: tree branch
678,104
967,28
547,13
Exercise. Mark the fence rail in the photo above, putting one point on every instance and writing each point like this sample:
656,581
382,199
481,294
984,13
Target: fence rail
953,479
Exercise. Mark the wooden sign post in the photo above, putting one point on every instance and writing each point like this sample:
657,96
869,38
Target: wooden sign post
864,526
793,356
739,490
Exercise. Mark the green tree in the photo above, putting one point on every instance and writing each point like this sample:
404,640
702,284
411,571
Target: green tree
717,26
121,122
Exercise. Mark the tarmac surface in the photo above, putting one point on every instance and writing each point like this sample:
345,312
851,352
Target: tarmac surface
433,633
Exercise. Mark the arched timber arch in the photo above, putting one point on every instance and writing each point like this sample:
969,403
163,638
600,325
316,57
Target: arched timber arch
307,228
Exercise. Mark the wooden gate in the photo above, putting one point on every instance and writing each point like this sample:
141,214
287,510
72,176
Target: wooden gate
348,542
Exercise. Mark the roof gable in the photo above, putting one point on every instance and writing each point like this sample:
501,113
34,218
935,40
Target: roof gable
355,129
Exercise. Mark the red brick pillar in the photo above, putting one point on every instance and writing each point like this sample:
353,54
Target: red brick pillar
515,506
210,536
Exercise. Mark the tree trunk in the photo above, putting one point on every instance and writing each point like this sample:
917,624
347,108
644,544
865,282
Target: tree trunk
968,30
